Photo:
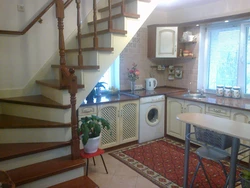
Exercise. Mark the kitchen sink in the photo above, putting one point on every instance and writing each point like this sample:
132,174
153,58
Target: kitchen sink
194,95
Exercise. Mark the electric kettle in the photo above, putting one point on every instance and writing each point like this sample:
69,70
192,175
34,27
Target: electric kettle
151,83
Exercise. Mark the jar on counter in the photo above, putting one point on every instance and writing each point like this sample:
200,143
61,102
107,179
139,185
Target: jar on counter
236,92
228,91
220,90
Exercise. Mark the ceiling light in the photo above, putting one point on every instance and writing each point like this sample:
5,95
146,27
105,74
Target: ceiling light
197,25
226,21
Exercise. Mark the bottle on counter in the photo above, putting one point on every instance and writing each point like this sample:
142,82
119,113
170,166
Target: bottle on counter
220,90
228,91
236,92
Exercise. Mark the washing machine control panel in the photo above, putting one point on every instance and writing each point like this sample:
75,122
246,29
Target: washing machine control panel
151,99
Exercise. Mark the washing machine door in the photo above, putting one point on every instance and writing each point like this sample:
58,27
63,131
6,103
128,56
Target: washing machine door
152,115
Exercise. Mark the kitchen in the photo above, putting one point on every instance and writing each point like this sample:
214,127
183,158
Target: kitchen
137,52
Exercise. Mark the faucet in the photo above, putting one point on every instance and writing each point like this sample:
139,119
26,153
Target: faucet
201,91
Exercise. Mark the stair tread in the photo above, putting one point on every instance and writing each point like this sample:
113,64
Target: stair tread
114,31
44,169
83,181
8,121
35,100
13,150
79,67
91,49
55,84
126,14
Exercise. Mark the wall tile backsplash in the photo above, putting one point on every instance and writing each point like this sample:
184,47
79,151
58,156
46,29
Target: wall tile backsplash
136,52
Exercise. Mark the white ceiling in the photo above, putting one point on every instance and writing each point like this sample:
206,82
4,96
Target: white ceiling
174,4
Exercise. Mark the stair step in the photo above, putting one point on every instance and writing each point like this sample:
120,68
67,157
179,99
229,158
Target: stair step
10,122
81,182
119,4
114,31
35,100
10,151
129,15
77,67
91,49
55,84
44,169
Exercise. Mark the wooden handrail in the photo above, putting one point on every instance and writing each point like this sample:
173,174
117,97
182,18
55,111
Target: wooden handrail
95,39
36,19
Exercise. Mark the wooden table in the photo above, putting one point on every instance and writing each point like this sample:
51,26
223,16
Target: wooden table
228,127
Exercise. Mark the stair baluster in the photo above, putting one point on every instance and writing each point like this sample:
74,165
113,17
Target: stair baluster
110,23
60,17
123,7
80,58
95,39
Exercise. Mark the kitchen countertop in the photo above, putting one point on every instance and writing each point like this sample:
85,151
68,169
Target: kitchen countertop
242,103
110,98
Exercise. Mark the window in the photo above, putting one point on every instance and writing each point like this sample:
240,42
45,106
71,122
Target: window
112,76
226,56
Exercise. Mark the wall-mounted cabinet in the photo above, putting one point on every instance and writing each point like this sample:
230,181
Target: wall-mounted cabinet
165,42
162,42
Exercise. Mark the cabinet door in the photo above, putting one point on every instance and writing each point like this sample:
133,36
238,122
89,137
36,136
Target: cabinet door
129,112
244,117
166,42
194,107
109,112
175,127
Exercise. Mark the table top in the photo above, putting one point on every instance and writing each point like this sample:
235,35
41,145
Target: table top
220,125
90,155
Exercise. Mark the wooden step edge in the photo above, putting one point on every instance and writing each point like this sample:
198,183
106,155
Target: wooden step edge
13,122
13,150
81,182
91,49
79,67
36,100
44,169
55,84
113,31
126,14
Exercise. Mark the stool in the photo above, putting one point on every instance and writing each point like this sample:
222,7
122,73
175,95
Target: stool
92,155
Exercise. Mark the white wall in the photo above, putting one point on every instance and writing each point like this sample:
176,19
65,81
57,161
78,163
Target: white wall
22,56
192,13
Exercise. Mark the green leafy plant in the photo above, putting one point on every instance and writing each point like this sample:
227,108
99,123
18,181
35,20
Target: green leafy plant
245,174
100,84
91,127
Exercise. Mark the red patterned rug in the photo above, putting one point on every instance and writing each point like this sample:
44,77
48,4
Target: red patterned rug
162,162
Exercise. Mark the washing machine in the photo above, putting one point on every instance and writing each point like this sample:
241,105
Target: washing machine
152,112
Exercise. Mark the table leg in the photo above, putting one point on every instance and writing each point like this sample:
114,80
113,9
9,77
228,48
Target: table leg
104,164
87,167
186,160
233,162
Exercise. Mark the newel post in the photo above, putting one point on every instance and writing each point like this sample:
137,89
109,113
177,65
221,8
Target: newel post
75,145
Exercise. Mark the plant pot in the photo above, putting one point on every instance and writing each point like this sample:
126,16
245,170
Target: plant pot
92,145
245,183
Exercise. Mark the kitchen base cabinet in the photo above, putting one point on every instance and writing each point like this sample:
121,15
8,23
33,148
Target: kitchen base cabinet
124,121
244,117
176,106
174,126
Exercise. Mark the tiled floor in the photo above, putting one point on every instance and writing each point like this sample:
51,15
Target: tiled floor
119,175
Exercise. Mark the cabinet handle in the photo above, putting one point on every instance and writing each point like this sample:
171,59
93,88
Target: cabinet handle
121,113
118,113
216,110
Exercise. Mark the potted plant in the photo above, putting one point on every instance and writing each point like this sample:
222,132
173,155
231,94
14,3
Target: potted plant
90,130
98,87
245,179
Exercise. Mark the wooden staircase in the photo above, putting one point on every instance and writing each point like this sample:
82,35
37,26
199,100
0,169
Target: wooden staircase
39,144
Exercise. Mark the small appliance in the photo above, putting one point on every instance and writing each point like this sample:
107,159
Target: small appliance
151,83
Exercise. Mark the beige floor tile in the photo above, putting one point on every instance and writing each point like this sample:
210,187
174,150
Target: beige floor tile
123,182
144,183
